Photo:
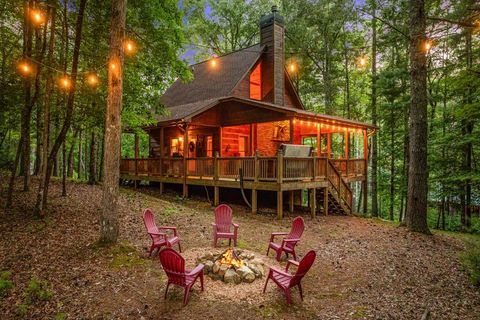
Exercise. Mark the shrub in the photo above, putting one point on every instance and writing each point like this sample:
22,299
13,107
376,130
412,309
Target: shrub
471,260
5,283
38,290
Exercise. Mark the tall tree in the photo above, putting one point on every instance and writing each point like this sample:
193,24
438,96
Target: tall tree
416,215
374,111
113,131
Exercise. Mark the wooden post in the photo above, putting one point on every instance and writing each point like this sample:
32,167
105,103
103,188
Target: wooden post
216,189
251,140
319,147
347,152
292,130
291,201
162,144
365,182
313,202
279,180
185,156
329,145
325,201
220,138
256,173
314,166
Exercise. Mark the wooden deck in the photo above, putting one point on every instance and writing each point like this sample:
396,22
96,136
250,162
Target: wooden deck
259,173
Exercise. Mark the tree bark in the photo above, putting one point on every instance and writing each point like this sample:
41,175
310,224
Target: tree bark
70,156
80,155
46,116
374,154
92,176
416,216
109,214
70,102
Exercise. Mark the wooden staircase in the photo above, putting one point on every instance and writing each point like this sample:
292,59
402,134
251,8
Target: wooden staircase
339,198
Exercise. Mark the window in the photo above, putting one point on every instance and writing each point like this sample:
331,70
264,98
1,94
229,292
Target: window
256,83
176,147
209,146
310,141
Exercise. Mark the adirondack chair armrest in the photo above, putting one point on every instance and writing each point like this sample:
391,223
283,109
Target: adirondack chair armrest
236,225
290,262
291,241
214,225
158,233
274,234
276,270
174,229
196,270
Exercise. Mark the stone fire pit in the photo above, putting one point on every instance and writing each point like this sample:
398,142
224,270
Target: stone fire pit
232,266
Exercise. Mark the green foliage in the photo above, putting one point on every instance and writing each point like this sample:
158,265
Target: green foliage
471,258
38,290
22,309
60,316
6,284
125,256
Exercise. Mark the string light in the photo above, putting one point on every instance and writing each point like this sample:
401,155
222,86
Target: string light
37,16
25,68
428,45
213,62
130,47
362,61
92,80
65,82
292,67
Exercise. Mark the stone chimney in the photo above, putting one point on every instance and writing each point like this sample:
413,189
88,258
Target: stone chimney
272,33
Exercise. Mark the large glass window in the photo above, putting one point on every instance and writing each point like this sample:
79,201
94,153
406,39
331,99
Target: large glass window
256,83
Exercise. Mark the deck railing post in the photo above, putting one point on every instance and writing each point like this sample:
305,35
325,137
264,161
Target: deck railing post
314,166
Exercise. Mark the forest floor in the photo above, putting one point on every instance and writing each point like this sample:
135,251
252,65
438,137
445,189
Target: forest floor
365,269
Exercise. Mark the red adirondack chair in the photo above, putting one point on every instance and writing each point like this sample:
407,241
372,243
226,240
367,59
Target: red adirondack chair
286,281
159,239
174,266
290,241
223,224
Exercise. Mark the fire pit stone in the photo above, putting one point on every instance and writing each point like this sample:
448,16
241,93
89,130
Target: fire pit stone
232,266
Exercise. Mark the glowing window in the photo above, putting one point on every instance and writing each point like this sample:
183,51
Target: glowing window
256,83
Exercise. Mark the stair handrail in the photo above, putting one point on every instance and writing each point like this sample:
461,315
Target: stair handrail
342,181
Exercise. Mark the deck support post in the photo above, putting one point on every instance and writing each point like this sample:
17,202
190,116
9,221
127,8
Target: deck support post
216,196
291,201
325,201
280,180
313,202
254,201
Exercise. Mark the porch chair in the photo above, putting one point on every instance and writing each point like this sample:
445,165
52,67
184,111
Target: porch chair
286,281
223,224
159,239
174,266
290,241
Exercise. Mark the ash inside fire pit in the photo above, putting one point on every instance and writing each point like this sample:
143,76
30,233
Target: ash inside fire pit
232,266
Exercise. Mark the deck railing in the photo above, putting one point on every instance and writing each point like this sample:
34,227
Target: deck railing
254,168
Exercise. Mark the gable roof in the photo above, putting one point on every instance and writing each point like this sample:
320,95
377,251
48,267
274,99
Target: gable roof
209,83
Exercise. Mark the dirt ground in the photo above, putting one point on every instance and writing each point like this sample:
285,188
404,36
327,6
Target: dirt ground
365,269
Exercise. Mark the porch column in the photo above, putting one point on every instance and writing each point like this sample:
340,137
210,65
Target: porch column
319,147
185,156
279,181
216,189
162,144
329,144
347,151
365,181
292,130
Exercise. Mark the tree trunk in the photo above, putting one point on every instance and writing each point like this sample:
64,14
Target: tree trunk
64,168
392,163
416,216
46,116
70,102
109,213
70,156
374,154
11,183
92,176
80,155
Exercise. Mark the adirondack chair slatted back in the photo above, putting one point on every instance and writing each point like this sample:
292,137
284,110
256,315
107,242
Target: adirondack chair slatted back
223,218
174,266
305,265
298,225
149,220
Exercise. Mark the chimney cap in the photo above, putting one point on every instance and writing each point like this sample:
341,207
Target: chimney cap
272,17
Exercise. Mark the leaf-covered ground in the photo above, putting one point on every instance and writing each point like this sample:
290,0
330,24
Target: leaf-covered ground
364,268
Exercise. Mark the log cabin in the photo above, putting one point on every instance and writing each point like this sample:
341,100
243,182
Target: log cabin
236,125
